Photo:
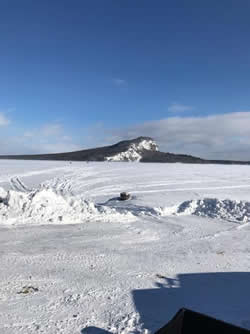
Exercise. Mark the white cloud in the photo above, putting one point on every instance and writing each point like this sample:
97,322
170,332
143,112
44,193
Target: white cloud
29,134
52,130
119,82
177,107
224,136
48,130
50,138
3,119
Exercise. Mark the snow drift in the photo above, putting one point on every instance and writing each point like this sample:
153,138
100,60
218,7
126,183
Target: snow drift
238,211
44,206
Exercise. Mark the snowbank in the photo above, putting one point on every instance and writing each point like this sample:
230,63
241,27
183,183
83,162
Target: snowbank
44,206
213,208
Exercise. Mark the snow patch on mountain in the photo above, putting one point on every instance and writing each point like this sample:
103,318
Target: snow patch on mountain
147,145
130,155
135,151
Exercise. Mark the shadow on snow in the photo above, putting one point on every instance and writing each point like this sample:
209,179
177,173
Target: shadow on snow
225,296
124,206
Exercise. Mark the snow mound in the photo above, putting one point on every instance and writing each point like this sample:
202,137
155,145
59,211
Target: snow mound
44,206
3,194
213,208
135,151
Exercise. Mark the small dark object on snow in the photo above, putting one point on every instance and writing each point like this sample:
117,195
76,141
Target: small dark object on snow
27,289
124,196
190,322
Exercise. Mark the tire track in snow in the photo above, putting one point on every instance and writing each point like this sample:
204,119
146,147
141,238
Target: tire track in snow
18,185
226,232
196,188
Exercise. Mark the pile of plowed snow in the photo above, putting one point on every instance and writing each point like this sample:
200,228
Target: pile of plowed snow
212,208
44,206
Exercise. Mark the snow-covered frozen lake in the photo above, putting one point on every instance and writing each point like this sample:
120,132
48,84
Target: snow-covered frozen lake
98,264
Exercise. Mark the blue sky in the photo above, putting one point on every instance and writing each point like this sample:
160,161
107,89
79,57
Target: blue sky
77,74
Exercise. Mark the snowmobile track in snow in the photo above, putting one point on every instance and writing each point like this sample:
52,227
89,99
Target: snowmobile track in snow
18,185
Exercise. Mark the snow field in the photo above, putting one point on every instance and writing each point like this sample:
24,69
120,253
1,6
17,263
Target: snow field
123,267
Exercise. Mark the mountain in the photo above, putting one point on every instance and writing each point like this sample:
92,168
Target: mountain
127,150
143,149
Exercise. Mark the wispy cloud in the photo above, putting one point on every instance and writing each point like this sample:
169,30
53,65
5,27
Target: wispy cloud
49,138
3,119
119,82
52,130
177,107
